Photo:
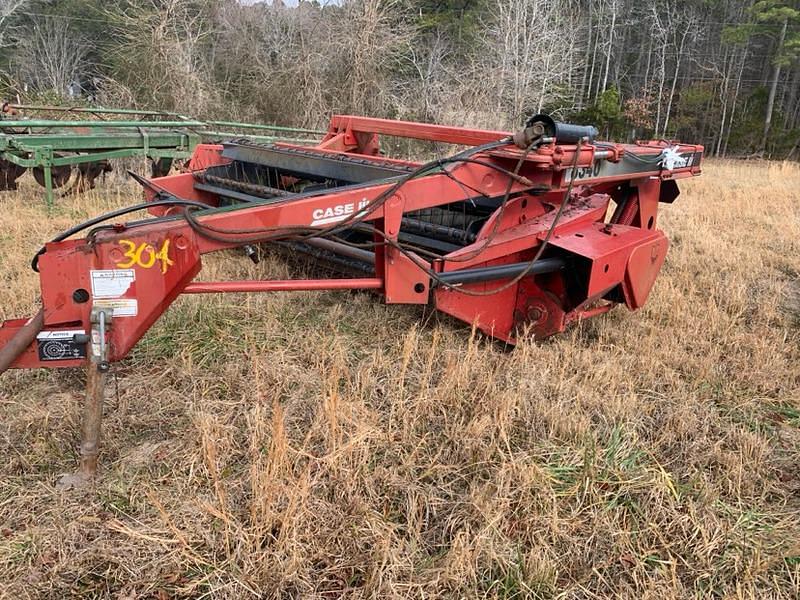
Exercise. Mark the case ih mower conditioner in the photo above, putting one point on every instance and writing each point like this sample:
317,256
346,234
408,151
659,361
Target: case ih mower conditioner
515,234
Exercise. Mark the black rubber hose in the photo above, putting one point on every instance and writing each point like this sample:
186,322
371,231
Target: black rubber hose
481,274
111,215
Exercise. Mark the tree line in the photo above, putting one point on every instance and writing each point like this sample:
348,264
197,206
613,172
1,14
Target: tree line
724,73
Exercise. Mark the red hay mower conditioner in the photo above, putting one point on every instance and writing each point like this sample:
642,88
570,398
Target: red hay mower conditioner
515,234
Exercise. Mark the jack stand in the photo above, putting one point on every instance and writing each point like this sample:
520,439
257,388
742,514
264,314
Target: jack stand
96,374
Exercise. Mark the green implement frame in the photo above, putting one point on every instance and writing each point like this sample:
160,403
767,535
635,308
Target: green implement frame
47,145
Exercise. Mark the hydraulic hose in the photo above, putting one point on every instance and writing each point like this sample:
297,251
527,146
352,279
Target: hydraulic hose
20,342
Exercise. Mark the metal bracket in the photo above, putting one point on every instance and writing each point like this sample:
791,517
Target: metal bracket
102,318
145,141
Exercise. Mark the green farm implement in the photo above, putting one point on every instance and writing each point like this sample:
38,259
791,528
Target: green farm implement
73,150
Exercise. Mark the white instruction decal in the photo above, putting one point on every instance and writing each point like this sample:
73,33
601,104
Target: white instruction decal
120,307
111,283
59,335
61,345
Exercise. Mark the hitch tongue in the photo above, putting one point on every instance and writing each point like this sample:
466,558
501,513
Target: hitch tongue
20,342
97,368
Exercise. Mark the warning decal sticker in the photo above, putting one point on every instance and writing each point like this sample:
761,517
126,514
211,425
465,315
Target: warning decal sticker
111,283
120,307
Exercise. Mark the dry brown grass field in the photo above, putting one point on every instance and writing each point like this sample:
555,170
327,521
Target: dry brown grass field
327,446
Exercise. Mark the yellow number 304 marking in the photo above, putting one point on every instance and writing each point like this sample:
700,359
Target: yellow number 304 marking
145,255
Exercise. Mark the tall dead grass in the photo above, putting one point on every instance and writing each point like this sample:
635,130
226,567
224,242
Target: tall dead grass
327,446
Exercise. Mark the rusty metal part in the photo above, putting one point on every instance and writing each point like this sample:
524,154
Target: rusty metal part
451,234
160,167
90,430
338,257
21,341
564,133
243,186
92,418
60,175
97,368
88,174
9,173
525,137
316,170
8,109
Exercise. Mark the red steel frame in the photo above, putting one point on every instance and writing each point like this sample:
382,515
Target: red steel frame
610,261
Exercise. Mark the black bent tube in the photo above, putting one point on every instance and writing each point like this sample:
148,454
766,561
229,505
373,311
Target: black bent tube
451,234
565,133
111,215
342,249
544,265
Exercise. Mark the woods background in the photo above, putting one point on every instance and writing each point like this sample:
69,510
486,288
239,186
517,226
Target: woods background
724,73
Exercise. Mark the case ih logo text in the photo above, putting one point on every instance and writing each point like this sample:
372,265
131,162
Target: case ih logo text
339,212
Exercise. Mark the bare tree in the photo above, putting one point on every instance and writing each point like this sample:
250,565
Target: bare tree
683,25
51,57
371,39
486,63
162,53
427,93
773,86
527,57
8,8
275,62
614,9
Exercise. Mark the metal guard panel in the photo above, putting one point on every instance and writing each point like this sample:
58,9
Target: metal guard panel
617,254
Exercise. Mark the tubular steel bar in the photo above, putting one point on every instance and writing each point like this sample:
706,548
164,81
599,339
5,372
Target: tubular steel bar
99,140
90,110
46,123
92,419
288,285
342,249
157,113
25,337
419,131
